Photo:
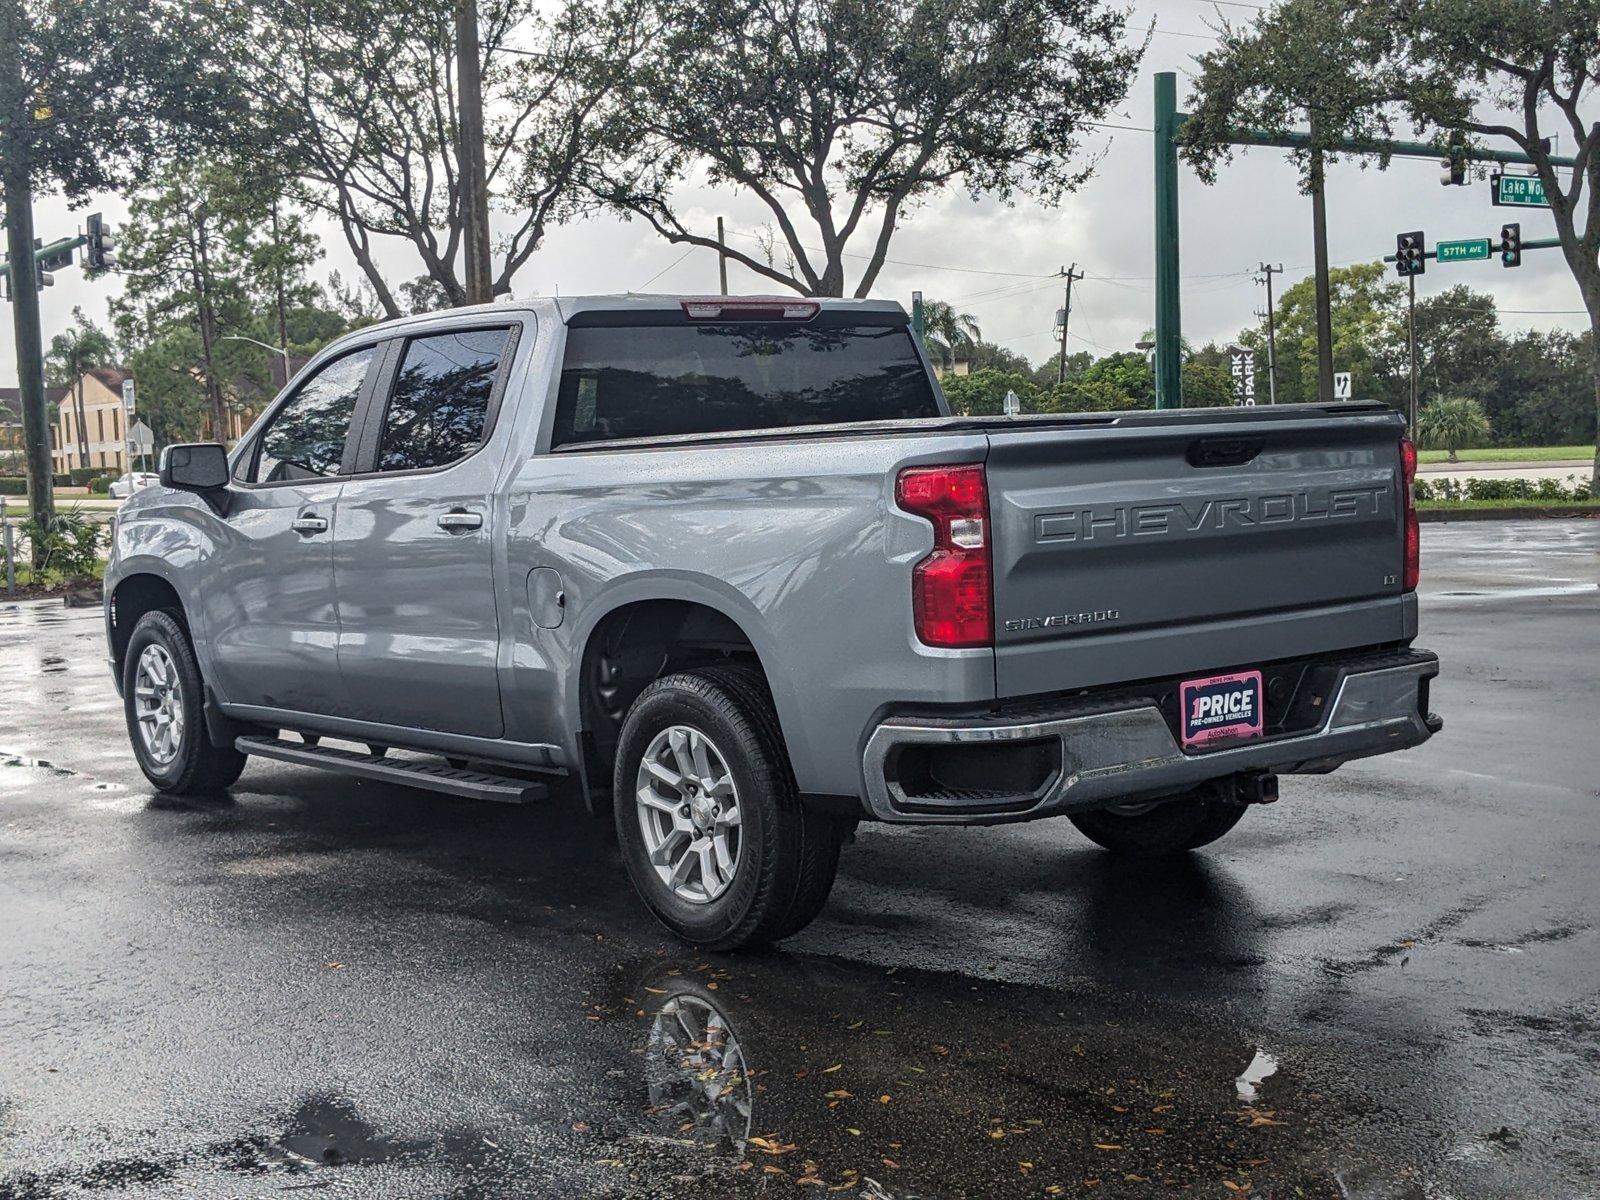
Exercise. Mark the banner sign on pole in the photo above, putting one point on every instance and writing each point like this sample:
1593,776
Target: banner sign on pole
1242,366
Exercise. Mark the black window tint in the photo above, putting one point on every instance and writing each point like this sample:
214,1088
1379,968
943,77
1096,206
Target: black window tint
307,435
440,400
658,380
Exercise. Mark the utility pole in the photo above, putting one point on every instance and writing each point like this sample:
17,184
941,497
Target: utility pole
1267,272
1066,315
16,174
470,155
722,258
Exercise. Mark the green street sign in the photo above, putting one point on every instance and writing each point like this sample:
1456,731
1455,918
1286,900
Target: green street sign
1464,250
1518,191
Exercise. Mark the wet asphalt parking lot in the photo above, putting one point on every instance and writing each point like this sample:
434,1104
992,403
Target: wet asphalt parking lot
1387,985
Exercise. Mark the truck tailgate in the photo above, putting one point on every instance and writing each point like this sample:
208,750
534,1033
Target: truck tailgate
1163,543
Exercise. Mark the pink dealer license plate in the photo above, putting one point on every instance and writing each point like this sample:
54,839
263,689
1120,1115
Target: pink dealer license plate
1223,706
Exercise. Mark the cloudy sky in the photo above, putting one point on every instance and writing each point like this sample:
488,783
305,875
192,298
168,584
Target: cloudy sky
996,261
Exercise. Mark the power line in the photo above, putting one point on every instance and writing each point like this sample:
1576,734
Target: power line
666,268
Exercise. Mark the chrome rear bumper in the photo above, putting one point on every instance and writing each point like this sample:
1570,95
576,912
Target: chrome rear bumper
1091,753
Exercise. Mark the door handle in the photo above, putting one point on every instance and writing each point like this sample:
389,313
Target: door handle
450,522
309,523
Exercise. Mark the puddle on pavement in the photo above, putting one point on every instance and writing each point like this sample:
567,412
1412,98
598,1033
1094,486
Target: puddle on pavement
903,1083
1262,1067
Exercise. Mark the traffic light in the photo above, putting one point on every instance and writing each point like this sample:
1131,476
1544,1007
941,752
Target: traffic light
1453,170
1409,258
98,254
1511,245
42,278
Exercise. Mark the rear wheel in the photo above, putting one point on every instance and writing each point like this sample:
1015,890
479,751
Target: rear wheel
708,816
1161,828
164,701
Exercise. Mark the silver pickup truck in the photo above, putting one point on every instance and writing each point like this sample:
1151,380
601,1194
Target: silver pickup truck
734,566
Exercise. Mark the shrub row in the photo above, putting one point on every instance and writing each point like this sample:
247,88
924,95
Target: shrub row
1553,490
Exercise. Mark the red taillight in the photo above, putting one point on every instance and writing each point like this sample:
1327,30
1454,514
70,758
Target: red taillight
950,589
1408,473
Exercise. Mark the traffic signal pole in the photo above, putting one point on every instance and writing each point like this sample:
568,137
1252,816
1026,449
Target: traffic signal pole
1169,318
1168,123
1411,352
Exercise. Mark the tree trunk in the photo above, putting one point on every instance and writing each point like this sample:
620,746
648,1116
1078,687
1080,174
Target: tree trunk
24,294
202,278
280,297
1594,369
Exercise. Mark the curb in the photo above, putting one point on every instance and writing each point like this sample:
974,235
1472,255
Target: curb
1445,515
1467,468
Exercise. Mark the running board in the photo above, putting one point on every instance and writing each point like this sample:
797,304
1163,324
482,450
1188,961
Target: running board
475,785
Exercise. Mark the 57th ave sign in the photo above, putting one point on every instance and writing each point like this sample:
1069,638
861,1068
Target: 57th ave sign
1463,250
1517,191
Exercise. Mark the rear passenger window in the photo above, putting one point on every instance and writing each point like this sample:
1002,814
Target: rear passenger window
307,435
439,406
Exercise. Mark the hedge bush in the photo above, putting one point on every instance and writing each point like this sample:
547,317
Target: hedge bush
1552,490
13,485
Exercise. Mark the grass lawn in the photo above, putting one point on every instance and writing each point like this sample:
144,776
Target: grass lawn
1511,454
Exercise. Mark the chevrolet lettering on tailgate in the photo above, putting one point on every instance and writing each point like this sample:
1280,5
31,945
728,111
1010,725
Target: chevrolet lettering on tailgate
1168,518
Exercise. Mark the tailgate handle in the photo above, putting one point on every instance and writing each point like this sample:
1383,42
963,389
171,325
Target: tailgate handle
1223,452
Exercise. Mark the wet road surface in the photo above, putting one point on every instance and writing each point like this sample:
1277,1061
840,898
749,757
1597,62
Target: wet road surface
1387,985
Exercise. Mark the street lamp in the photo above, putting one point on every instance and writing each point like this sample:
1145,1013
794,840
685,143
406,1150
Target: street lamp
239,337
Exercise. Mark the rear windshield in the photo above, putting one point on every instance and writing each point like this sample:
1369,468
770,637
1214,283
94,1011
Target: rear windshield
644,381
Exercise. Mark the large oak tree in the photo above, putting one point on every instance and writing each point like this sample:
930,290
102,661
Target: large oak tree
839,116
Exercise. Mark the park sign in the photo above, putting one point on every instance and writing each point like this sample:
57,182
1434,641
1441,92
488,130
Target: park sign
1518,191
1462,250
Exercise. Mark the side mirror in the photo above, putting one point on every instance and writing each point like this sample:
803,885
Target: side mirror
195,467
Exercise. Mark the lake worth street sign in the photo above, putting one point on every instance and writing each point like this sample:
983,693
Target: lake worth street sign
1517,191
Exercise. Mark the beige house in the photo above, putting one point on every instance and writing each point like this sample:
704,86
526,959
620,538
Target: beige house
103,423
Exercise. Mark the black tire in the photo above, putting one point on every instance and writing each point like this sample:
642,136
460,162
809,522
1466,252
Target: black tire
1183,823
788,854
198,765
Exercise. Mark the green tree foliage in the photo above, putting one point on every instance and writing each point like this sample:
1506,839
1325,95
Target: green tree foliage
198,259
90,90
839,116
983,393
1537,391
78,348
1047,373
986,356
1368,325
1508,73
948,335
360,97
1452,422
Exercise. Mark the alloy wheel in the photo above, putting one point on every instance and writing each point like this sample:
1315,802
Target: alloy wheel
688,808
158,704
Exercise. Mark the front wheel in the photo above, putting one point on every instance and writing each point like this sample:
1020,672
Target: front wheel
1157,830
164,702
710,822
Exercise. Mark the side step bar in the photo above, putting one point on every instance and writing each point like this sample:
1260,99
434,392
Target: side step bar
475,785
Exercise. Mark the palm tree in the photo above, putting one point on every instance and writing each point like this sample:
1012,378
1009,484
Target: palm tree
948,334
1452,422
